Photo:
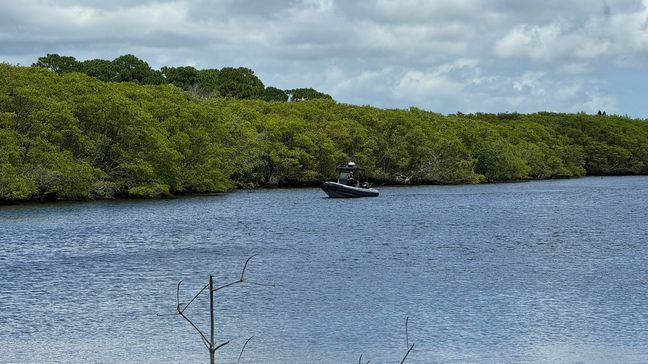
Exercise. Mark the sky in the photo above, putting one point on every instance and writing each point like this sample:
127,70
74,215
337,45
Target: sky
438,55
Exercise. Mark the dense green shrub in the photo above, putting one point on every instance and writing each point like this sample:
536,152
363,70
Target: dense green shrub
67,135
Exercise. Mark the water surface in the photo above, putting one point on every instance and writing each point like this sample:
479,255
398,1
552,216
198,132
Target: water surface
537,272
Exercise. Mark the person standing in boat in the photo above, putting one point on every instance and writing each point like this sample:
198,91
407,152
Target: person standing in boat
350,180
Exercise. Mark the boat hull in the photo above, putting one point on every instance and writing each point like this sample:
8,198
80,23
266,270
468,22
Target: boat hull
338,190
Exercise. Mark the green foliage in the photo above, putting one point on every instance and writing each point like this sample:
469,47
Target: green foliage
239,83
100,69
72,137
303,94
231,83
132,69
58,63
65,135
153,190
183,77
208,80
13,184
274,94
57,175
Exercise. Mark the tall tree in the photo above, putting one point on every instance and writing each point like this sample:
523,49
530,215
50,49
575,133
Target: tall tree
239,83
274,94
58,63
133,69
303,94
100,69
183,77
208,80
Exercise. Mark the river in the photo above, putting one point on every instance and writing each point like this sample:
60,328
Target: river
535,272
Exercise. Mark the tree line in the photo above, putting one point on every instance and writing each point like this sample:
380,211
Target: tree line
228,82
69,135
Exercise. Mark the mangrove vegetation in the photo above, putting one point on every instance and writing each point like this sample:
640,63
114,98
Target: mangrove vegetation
106,129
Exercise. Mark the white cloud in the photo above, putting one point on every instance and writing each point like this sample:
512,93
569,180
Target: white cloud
539,91
570,91
530,82
417,86
469,55
597,101
555,42
536,42
608,36
445,81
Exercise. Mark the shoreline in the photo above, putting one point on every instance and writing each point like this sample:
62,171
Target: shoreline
285,187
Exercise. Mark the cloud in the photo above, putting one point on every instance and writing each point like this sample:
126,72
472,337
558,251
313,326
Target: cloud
446,80
555,42
530,82
468,55
609,35
540,91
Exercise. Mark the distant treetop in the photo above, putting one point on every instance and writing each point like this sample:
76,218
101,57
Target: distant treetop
228,82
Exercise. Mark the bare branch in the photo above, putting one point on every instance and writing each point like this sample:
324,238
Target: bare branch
360,359
202,336
242,279
406,354
243,348
244,282
261,284
181,313
165,314
194,297
221,345
407,340
178,294
406,333
245,266
226,285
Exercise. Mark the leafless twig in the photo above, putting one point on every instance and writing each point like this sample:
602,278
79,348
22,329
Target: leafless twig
243,348
165,314
407,340
243,280
406,354
181,313
221,345
406,333
360,360
245,266
194,297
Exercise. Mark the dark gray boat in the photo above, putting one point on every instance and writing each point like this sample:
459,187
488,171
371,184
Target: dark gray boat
347,185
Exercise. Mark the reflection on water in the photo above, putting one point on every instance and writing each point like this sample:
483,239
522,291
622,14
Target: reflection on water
551,271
